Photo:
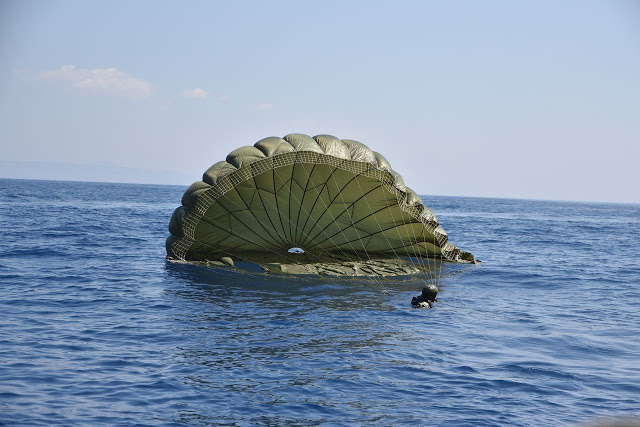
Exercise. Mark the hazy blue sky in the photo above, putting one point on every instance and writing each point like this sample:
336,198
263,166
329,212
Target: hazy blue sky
528,99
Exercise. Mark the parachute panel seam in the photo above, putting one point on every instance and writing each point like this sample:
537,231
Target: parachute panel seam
225,184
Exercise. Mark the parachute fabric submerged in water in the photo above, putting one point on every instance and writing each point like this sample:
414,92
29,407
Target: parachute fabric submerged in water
330,197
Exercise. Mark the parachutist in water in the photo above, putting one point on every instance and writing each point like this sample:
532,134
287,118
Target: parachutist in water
426,298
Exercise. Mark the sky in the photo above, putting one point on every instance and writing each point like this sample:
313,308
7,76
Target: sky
526,99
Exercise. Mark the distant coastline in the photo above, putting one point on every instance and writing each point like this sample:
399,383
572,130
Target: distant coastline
91,172
177,183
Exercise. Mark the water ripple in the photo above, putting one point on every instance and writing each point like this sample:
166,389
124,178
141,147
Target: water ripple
97,329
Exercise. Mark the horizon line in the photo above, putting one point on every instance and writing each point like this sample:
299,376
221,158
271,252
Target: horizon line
421,195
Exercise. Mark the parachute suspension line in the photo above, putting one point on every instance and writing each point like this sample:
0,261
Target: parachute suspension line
380,227
275,192
431,275
304,194
315,244
324,231
434,277
249,209
202,217
294,261
418,257
290,242
288,219
295,225
330,239
224,251
349,206
378,223
377,281
297,228
324,186
327,210
423,264
255,187
364,246
439,265
240,237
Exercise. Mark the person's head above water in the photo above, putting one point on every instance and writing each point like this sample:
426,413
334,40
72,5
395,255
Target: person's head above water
429,292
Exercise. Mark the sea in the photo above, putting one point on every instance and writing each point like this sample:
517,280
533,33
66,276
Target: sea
97,328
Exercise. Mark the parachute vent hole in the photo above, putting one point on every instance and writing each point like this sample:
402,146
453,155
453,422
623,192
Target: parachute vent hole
296,251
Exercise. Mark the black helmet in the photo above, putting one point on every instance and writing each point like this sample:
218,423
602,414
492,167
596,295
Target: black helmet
429,292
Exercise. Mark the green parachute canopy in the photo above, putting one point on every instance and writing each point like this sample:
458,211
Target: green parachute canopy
332,198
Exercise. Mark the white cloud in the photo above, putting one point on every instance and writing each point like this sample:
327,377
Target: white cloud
265,107
100,79
196,93
224,97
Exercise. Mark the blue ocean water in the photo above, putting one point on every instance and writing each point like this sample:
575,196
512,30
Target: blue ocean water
96,328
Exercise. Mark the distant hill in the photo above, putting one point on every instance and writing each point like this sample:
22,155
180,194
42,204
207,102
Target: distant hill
95,172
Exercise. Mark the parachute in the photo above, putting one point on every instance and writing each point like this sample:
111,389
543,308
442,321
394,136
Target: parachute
303,200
